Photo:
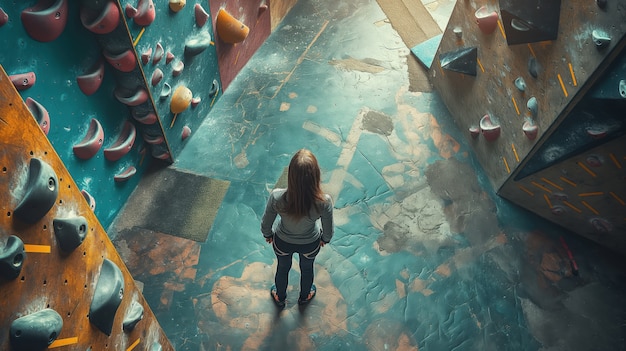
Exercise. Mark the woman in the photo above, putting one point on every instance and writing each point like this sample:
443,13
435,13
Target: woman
302,207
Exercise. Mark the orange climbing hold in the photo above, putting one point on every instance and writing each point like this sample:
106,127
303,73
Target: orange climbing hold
180,99
230,29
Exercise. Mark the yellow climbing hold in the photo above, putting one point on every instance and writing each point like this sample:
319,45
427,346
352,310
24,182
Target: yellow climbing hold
177,5
230,29
180,99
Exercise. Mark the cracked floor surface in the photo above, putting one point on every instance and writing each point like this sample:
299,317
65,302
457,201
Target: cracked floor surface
425,255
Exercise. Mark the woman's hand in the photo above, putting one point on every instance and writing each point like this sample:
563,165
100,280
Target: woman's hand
269,240
322,243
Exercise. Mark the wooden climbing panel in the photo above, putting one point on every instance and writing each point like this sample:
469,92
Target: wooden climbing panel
48,278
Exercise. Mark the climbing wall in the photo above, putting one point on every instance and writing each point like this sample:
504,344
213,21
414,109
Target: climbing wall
517,77
62,283
240,27
76,90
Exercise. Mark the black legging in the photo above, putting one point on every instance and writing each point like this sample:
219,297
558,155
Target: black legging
284,252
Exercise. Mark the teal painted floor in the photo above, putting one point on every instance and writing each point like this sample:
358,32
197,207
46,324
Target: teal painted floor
425,255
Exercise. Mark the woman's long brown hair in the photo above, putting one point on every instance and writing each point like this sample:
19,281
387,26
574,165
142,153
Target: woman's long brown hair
303,183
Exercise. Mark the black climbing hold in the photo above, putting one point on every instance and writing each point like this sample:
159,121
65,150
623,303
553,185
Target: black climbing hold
12,258
462,60
107,297
70,232
41,192
35,331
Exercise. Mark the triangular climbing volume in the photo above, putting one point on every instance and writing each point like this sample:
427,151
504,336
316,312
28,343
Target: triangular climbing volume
530,21
462,60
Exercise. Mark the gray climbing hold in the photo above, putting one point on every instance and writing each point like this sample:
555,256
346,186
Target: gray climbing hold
532,106
600,38
622,88
520,84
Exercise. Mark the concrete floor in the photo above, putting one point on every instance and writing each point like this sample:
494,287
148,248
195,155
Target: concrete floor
425,255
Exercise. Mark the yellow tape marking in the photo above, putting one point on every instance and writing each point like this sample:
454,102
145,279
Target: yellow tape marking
501,29
545,196
515,104
616,161
506,164
572,206
571,71
37,248
515,152
617,198
139,36
586,169
532,52
526,190
551,183
133,345
562,85
542,187
64,342
590,208
568,181
480,65
591,194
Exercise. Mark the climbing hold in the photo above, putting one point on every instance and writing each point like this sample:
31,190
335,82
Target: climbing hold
597,132
12,257
161,156
165,92
487,20
532,106
4,18
91,142
40,113
180,99
600,38
23,81
153,139
489,128
103,22
185,133
133,316
70,232
594,161
177,5
125,175
525,22
90,82
144,14
201,15
145,56
462,60
35,331
91,201
197,44
124,61
148,118
474,131
40,194
158,54
157,76
262,8
557,210
123,144
533,67
530,129
168,57
458,32
177,68
229,29
215,86
135,98
107,297
46,20
601,226
520,84
195,101
601,4
622,88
